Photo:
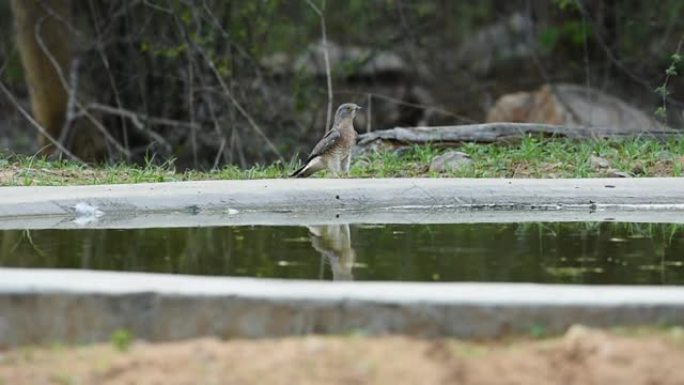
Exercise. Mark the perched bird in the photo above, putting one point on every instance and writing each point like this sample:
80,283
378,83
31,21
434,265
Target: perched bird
333,152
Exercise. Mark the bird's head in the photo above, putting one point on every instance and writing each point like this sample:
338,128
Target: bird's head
346,111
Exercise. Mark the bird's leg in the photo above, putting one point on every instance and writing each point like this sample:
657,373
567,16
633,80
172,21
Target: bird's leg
334,167
346,163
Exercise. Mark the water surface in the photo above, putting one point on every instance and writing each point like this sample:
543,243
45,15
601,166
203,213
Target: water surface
591,253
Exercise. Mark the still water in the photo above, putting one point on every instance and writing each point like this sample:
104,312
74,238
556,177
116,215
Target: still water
590,253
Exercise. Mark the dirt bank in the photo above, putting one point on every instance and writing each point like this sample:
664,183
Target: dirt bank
582,356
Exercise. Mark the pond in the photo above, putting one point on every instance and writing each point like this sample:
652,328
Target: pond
587,253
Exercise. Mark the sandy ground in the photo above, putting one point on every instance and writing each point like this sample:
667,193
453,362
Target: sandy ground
582,356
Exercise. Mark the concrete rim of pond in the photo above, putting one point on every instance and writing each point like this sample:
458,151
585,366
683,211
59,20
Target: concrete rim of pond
294,201
43,306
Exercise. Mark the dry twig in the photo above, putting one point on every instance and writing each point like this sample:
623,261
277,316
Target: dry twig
37,125
326,58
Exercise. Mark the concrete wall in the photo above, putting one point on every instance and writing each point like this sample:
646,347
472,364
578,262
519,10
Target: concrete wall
43,306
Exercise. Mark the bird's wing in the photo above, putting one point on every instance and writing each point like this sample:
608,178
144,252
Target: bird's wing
328,141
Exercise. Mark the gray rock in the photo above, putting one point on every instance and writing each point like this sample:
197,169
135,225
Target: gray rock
664,155
597,162
509,38
367,62
365,71
572,105
613,173
450,161
638,168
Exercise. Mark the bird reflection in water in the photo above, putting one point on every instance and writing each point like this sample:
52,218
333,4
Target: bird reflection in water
334,244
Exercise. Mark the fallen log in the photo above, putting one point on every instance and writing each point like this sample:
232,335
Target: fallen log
495,132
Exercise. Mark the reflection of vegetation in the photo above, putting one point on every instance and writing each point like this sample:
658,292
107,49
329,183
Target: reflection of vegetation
659,232
617,238
572,272
634,253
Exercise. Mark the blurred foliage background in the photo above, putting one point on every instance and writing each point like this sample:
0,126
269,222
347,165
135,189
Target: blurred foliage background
215,82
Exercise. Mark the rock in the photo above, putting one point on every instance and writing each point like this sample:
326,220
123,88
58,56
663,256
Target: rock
572,106
580,341
450,161
664,155
509,38
597,162
380,80
403,151
638,168
364,61
613,173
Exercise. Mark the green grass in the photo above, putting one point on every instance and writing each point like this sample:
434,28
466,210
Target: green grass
121,339
529,158
536,158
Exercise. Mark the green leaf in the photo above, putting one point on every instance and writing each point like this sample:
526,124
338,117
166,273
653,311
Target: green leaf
548,38
671,70
566,4
662,91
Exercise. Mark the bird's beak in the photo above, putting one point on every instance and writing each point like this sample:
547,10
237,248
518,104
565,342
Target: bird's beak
359,108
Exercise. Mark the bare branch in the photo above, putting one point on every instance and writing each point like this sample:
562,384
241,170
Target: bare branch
237,104
110,77
214,118
326,58
37,125
158,7
315,8
610,54
73,88
191,109
218,154
369,107
401,102
193,126
138,119
65,84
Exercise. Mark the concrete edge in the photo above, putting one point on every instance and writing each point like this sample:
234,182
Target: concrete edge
328,200
417,216
43,306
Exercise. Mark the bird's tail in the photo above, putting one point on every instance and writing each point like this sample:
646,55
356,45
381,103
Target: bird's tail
299,173
307,169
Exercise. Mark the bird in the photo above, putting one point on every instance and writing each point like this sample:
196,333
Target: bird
334,151
333,242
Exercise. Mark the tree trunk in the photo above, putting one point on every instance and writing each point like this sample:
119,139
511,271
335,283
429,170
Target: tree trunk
45,47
